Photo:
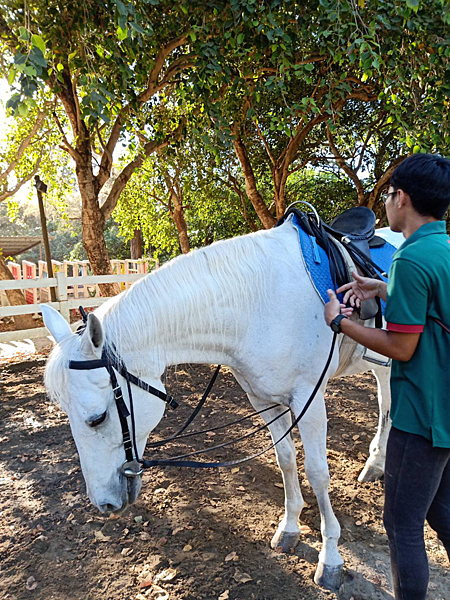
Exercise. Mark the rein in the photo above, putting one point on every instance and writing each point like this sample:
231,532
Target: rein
134,466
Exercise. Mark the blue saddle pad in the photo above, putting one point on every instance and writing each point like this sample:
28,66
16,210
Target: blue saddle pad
317,263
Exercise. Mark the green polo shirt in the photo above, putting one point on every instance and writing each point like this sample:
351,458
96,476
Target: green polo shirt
418,289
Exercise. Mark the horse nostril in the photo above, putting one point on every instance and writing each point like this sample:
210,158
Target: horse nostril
105,508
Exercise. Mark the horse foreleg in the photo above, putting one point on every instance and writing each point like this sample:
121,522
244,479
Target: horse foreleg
374,467
313,430
288,532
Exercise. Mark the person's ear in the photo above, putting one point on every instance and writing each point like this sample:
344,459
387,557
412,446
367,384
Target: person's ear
402,198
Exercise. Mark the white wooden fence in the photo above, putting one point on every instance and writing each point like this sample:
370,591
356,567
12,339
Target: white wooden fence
63,303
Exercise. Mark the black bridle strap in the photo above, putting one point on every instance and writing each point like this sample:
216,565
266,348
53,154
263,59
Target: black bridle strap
122,370
175,462
225,444
191,418
107,361
123,414
212,429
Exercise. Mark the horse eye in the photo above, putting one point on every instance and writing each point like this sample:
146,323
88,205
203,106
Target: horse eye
97,421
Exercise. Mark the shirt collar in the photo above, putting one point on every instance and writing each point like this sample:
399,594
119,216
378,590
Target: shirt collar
427,229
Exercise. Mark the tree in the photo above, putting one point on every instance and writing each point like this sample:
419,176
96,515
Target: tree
109,67
28,146
181,199
288,68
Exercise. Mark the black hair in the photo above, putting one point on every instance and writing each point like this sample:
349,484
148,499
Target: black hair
426,178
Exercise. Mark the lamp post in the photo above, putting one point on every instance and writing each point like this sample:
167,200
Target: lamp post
41,188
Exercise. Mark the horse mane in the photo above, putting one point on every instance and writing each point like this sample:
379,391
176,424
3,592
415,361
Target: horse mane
172,301
189,290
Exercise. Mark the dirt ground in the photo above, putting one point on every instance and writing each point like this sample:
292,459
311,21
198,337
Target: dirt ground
191,534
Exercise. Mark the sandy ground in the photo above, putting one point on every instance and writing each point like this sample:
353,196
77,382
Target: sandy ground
191,534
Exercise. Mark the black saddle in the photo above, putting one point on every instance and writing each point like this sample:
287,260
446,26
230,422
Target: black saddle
355,230
357,225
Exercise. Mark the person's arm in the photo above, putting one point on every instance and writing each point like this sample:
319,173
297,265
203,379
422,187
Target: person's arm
393,344
399,346
382,290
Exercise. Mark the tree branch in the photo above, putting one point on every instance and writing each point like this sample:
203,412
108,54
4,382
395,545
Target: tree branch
122,180
384,179
266,146
10,193
67,146
345,167
152,82
23,146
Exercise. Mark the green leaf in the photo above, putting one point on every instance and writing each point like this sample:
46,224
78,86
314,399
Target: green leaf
414,4
29,70
122,34
121,7
60,67
13,102
24,34
240,38
12,75
137,27
23,109
37,41
20,59
37,58
309,67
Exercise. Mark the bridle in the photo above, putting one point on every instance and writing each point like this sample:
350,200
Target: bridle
134,466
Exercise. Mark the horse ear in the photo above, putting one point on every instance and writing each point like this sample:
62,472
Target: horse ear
55,322
93,338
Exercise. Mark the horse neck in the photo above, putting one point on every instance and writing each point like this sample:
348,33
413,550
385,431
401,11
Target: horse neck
195,309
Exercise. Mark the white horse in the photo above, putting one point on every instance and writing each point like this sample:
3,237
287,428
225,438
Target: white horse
247,303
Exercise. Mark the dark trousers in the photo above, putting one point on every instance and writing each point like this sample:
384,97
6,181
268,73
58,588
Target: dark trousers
417,487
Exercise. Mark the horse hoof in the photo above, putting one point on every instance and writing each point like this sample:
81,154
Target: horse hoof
328,577
285,541
370,473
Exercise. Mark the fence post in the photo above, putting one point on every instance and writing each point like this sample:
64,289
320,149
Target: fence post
61,294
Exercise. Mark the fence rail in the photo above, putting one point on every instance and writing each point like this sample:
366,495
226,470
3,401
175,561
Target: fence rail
64,305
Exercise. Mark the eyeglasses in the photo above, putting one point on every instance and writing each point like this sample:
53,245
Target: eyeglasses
385,196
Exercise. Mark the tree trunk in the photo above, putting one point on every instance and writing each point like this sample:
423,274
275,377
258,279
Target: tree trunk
279,185
250,185
16,298
177,215
93,229
136,245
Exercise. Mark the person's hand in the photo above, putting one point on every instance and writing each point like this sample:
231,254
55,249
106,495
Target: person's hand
333,308
363,288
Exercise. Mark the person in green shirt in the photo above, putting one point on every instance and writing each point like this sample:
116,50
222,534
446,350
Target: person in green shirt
417,338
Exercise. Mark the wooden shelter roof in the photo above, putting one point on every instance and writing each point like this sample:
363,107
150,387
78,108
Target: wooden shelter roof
11,246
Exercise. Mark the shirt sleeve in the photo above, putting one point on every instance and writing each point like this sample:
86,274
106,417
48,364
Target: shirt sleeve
408,295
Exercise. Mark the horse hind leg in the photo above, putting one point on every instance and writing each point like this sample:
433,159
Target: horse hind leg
374,467
288,532
313,430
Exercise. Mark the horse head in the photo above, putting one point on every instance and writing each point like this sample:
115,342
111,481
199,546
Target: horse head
87,397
